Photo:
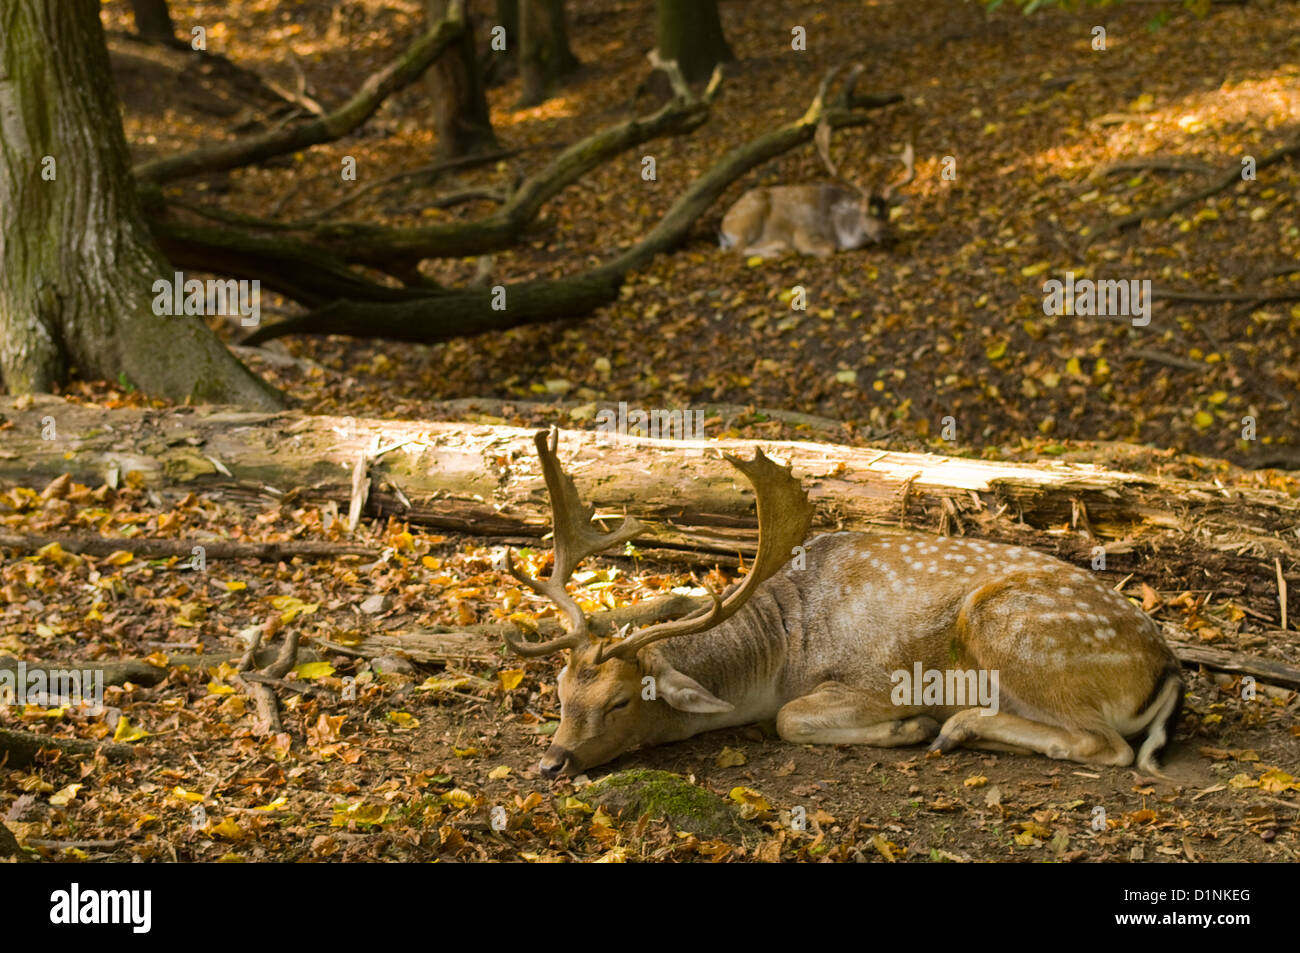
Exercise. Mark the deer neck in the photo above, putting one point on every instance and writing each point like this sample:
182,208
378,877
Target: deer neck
741,661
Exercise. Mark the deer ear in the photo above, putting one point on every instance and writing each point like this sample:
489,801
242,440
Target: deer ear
686,694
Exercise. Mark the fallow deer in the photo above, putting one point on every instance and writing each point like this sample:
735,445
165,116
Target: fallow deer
814,219
818,643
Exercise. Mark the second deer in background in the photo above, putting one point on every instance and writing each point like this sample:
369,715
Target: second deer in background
814,219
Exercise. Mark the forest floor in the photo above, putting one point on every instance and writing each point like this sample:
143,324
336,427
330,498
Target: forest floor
947,322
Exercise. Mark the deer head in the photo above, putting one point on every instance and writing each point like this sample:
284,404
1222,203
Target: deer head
605,708
866,219
815,219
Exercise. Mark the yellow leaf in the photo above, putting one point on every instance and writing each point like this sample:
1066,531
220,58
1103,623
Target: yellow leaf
1277,781
236,586
976,781
228,829
510,678
458,798
752,804
500,772
61,797
217,688
313,670
730,758
996,351
119,558
126,732
275,805
470,752
885,848
1035,269
403,719
1072,367
754,261
185,795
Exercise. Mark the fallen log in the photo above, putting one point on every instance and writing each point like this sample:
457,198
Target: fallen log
21,747
484,480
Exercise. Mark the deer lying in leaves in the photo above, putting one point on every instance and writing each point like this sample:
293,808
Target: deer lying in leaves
813,219
818,643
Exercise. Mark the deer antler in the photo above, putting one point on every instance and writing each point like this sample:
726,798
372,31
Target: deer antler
575,539
784,515
908,158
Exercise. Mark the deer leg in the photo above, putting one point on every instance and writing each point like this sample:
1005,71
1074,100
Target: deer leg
1101,745
807,244
834,714
770,249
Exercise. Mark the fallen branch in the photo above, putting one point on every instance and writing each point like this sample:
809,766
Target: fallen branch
21,747
1237,663
1230,177
147,548
418,57
141,671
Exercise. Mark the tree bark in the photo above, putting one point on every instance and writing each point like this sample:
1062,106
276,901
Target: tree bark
503,64
545,57
690,33
153,21
460,109
78,261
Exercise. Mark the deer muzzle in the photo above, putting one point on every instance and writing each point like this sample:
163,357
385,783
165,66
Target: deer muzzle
555,762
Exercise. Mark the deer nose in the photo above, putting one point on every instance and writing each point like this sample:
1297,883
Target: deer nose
554,761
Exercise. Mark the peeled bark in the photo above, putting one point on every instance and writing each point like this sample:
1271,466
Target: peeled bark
544,54
78,261
460,110
690,32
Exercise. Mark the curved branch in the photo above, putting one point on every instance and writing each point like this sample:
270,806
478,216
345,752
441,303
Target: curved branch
418,57
1229,178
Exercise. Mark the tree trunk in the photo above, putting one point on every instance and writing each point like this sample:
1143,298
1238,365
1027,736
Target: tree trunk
503,64
544,54
690,32
153,21
79,263
460,109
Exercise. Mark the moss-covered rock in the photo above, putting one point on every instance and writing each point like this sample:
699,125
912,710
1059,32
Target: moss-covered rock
671,797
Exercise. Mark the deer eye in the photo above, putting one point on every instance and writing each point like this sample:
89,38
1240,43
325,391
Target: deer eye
618,705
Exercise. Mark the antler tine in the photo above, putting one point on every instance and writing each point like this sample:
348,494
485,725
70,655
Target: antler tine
575,538
822,139
908,158
784,515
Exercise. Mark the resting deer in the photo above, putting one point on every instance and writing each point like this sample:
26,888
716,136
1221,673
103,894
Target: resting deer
813,219
819,643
